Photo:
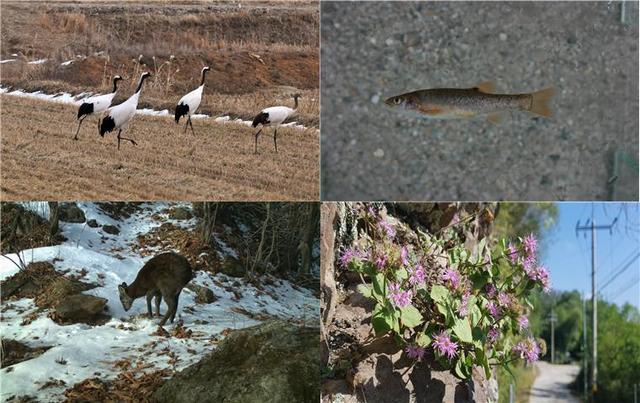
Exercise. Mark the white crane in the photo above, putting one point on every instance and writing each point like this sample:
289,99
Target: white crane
97,104
190,102
118,116
274,116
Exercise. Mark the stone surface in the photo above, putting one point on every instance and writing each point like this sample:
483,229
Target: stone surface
93,223
272,362
70,212
180,213
111,229
204,295
80,308
373,50
232,267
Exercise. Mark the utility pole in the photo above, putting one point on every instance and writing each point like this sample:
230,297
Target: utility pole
591,226
584,346
553,318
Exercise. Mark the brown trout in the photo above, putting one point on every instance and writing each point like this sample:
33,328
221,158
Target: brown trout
461,103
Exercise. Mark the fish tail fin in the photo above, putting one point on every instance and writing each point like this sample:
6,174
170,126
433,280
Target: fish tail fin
540,102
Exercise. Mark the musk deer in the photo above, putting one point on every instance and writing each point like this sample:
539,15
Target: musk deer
163,276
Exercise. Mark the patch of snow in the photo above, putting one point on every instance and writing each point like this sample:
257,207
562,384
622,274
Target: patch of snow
108,261
224,250
39,61
7,61
68,62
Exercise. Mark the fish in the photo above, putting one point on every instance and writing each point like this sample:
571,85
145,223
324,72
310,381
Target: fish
467,103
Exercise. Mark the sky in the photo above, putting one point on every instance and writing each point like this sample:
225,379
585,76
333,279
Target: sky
568,256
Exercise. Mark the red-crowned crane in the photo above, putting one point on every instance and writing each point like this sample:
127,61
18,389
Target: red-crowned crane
190,102
97,104
274,116
118,116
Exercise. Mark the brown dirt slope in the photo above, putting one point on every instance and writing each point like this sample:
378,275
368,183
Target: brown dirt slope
41,161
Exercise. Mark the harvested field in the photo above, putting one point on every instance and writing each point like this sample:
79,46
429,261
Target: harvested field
41,161
260,54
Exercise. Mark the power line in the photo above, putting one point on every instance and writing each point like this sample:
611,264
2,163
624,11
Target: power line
619,272
622,262
627,287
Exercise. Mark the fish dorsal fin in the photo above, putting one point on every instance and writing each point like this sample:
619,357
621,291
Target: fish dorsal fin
495,118
486,86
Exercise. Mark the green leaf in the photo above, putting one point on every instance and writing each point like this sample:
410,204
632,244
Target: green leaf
481,359
423,340
378,284
382,320
462,329
365,290
462,370
439,293
410,316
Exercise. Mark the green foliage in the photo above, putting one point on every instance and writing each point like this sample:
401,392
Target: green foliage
524,218
469,316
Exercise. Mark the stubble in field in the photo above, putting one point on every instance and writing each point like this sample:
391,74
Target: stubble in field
41,161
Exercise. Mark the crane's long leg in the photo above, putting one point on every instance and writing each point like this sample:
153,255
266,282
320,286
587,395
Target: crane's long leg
257,134
275,136
185,126
124,138
191,124
79,123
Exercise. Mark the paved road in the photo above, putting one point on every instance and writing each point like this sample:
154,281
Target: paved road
552,383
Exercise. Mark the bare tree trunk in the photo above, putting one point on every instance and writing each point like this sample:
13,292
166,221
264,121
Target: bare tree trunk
308,234
54,226
209,214
262,236
327,280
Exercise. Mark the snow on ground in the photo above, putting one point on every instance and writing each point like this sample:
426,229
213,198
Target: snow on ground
66,98
108,260
7,61
39,61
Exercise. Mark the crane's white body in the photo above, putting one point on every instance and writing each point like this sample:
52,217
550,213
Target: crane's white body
278,114
100,102
192,100
122,113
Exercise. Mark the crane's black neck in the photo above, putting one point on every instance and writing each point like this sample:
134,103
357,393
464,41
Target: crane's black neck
295,99
204,71
142,78
115,85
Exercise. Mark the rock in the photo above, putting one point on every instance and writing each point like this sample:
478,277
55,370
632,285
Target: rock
70,212
14,352
93,223
232,267
272,362
111,229
204,295
180,213
80,308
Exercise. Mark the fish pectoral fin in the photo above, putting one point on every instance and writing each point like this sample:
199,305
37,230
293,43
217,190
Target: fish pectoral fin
486,87
495,118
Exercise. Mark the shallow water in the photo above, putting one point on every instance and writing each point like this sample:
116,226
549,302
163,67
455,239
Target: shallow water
373,50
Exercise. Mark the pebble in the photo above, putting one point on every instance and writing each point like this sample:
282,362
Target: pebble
503,36
375,99
379,153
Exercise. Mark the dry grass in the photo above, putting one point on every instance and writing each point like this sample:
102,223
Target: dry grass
40,161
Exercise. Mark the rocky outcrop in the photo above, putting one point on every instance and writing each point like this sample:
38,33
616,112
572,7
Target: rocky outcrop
70,212
204,295
81,308
111,229
369,369
273,362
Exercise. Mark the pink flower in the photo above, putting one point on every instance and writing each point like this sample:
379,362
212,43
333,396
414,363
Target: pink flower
523,322
414,352
542,275
399,297
381,261
416,275
529,265
493,334
403,256
350,254
452,277
493,309
387,228
491,290
512,253
464,308
443,344
530,245
528,350
504,299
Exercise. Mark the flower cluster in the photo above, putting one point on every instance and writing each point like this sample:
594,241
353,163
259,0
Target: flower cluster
443,344
528,350
399,297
